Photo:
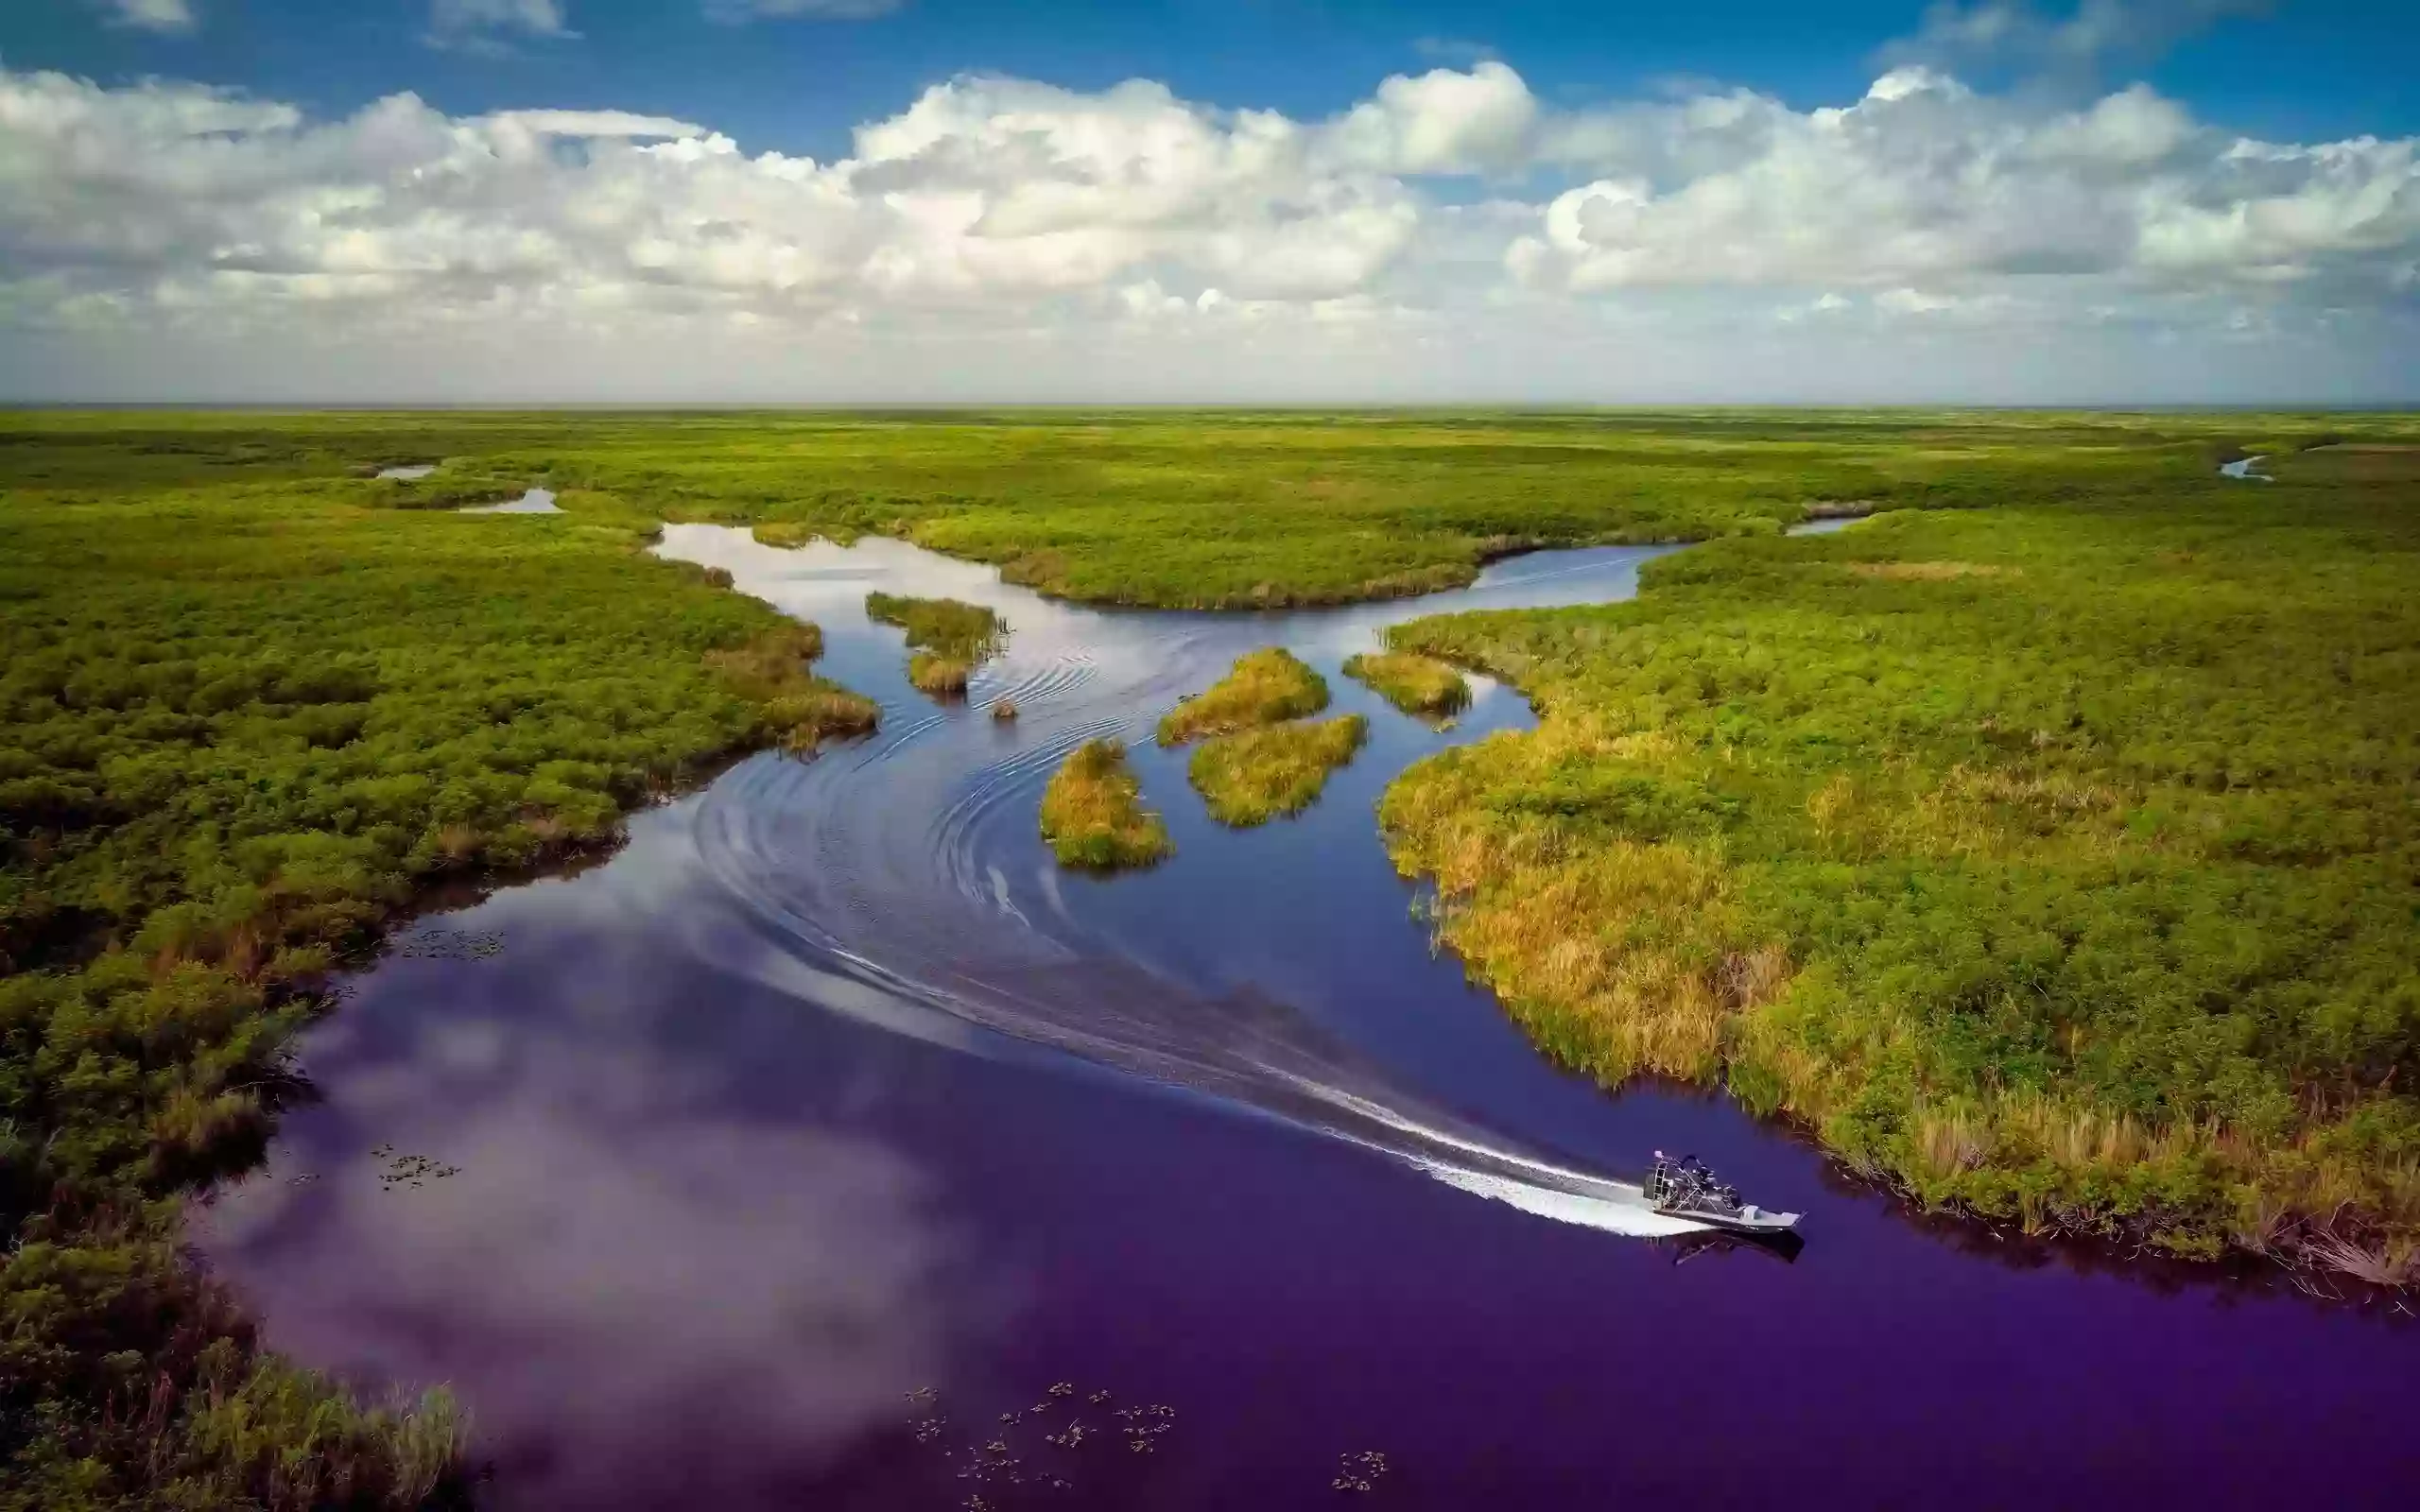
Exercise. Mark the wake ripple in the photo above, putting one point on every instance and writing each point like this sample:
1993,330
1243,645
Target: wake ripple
873,876
991,966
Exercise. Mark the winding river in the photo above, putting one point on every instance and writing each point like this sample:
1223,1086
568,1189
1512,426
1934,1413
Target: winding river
827,1147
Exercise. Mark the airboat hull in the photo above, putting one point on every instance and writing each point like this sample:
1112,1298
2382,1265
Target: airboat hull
1748,1220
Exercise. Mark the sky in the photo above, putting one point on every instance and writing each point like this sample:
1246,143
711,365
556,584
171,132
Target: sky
1287,201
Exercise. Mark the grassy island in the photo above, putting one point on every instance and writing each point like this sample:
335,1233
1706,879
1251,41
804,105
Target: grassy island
1264,686
950,639
1419,686
1093,814
2054,862
1253,777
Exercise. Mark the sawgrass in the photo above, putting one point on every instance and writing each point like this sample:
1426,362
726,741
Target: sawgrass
950,639
2054,862
941,676
1263,687
1252,776
1093,814
2077,891
248,709
1419,686
1199,509
803,711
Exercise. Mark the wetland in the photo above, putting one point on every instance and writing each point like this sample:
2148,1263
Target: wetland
806,1139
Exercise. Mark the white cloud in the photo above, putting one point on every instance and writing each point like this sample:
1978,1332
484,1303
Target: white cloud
151,15
735,11
1444,121
2014,32
1924,180
595,124
451,20
997,227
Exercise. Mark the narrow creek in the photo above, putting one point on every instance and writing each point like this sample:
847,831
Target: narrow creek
771,1162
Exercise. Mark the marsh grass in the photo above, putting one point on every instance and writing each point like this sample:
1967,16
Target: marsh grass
941,676
949,639
1263,687
2130,828
1252,776
1093,814
1419,686
247,710
2074,842
801,709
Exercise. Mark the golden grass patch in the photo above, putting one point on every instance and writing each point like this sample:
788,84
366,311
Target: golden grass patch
1093,814
1252,776
1418,685
1263,687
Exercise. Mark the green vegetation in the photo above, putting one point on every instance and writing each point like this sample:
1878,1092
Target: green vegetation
1250,778
1093,814
950,639
1262,688
247,711
1419,686
800,709
2058,864
1199,509
2055,862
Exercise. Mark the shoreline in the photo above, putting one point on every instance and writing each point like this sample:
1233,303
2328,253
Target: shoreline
2321,1259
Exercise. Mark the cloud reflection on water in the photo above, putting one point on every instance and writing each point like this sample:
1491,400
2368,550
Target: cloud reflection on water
617,1267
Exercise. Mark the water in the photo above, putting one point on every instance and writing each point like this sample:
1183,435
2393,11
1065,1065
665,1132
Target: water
829,1089
411,472
2241,468
537,501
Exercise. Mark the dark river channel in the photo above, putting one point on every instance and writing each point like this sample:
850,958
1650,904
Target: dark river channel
827,1147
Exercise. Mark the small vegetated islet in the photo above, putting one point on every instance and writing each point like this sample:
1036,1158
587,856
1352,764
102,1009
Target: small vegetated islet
1263,687
1418,685
1093,814
1256,775
949,639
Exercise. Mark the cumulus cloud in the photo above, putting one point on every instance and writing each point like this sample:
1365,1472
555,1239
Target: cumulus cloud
149,15
1003,216
1924,180
1444,121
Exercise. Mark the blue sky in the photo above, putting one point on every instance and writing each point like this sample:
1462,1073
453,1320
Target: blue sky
1521,200
2308,69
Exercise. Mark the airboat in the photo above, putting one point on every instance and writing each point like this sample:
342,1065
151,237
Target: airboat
1685,1189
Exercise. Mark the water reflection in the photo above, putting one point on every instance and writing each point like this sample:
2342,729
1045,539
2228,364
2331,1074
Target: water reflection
536,501
912,862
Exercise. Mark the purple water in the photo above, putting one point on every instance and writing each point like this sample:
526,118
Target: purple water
829,1091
